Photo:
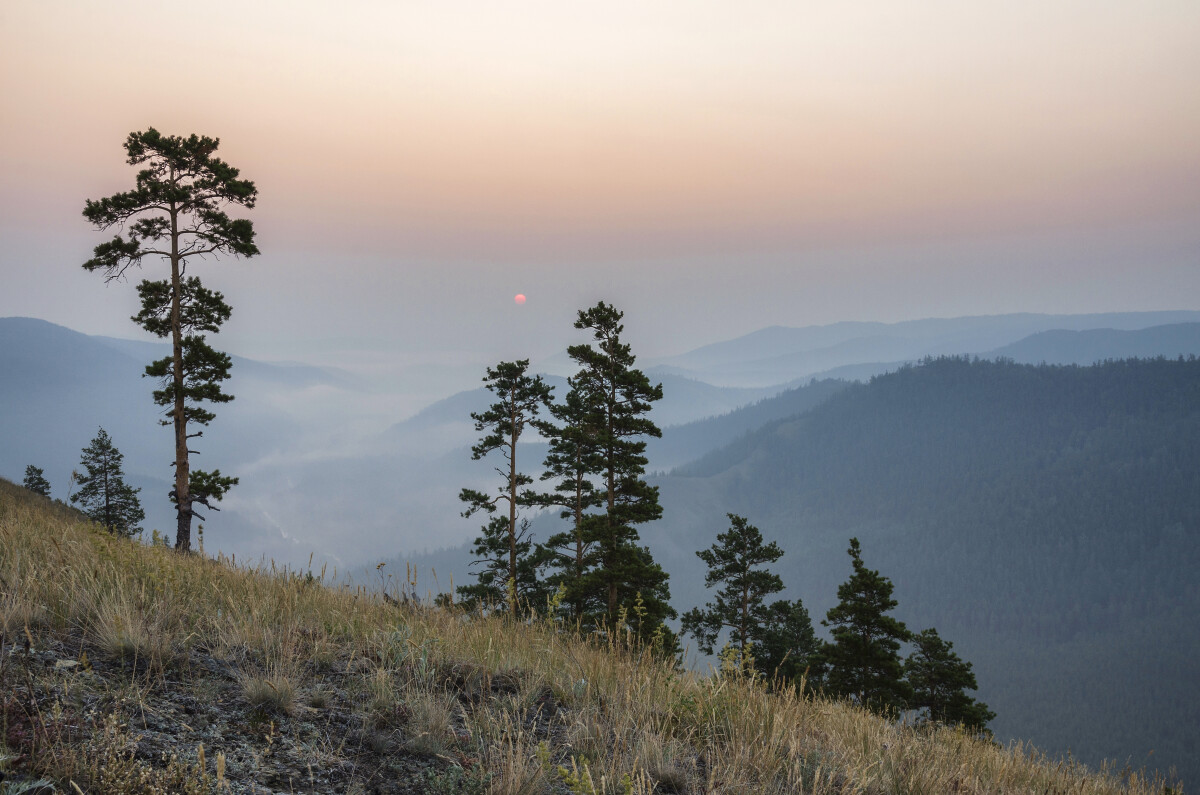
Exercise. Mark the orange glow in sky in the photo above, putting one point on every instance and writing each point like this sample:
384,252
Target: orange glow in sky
541,133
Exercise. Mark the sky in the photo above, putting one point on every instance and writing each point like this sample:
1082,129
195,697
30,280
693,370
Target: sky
710,168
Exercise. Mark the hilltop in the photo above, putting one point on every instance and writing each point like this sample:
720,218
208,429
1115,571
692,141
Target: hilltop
129,668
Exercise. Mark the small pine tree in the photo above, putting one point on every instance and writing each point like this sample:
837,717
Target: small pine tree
779,637
103,493
864,658
940,679
35,481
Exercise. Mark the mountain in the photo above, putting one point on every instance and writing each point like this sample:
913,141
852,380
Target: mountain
779,354
447,423
683,443
1095,345
1045,519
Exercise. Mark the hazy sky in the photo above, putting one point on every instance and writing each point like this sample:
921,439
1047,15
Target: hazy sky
711,168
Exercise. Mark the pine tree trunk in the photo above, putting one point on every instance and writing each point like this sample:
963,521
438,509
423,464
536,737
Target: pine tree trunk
108,519
183,499
512,509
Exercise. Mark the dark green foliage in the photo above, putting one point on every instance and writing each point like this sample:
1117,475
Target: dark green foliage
103,493
35,481
778,637
939,679
509,575
864,656
621,577
492,551
1044,518
786,647
177,212
570,463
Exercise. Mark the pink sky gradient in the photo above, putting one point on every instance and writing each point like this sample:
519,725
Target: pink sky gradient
711,167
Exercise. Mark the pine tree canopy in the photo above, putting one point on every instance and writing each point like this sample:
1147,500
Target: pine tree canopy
571,462
779,637
176,209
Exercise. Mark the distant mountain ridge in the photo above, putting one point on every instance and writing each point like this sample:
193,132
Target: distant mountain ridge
1096,345
780,354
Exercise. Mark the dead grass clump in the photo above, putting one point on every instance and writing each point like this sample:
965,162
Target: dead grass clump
272,694
430,725
126,631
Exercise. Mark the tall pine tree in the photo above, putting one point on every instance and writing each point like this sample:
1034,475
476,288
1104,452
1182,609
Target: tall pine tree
622,577
176,212
504,546
103,493
864,657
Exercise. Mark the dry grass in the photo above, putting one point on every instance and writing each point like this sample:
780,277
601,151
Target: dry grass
539,711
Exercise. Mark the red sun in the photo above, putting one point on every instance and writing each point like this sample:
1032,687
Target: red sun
519,298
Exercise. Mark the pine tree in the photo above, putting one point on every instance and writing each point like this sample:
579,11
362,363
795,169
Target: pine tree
786,647
177,212
622,578
35,481
570,463
864,658
939,679
778,637
103,493
504,547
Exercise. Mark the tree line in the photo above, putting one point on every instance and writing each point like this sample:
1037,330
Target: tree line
596,573
596,576
860,663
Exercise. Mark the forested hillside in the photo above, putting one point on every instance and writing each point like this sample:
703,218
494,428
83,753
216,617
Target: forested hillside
1044,519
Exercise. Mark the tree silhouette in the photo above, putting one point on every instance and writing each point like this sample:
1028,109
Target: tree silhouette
35,481
864,659
940,679
520,399
770,635
622,577
570,463
103,493
176,211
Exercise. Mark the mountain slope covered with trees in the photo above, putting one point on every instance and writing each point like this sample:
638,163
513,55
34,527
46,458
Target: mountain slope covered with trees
1045,519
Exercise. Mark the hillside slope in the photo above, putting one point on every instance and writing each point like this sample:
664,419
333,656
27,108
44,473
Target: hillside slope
137,670
1045,519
